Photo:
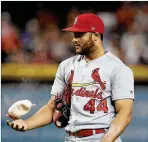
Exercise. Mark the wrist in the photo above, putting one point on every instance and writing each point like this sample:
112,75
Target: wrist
27,125
107,138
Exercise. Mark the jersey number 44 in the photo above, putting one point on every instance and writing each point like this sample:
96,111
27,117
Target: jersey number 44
90,106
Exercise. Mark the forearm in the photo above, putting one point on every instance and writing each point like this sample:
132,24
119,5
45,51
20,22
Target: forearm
118,125
41,118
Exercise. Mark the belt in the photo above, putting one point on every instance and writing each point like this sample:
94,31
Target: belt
86,132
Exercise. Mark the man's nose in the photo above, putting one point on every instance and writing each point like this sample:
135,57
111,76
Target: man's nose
74,39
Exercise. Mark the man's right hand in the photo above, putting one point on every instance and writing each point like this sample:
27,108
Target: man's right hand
17,124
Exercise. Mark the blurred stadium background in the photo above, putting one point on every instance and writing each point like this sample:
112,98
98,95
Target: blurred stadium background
32,46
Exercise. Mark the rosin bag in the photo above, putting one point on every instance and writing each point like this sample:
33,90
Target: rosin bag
20,108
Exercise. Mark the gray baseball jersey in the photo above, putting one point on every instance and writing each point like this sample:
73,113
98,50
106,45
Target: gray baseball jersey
96,84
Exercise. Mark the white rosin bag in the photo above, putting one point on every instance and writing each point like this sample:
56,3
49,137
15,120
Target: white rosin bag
20,108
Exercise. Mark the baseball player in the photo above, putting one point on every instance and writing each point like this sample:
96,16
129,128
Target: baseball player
93,91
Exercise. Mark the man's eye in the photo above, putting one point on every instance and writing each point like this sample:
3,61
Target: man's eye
78,35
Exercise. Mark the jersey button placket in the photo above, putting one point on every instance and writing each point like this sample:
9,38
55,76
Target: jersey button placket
83,71
82,76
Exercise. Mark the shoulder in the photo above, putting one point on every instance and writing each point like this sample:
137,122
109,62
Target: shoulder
117,65
71,60
113,59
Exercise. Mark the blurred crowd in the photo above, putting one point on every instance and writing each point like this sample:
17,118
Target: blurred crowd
43,41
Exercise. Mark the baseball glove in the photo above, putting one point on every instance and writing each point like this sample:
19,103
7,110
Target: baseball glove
62,105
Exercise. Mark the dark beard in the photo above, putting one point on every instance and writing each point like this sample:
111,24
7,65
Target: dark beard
88,47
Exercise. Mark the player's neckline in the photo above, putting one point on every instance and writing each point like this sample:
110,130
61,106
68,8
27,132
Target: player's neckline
87,62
